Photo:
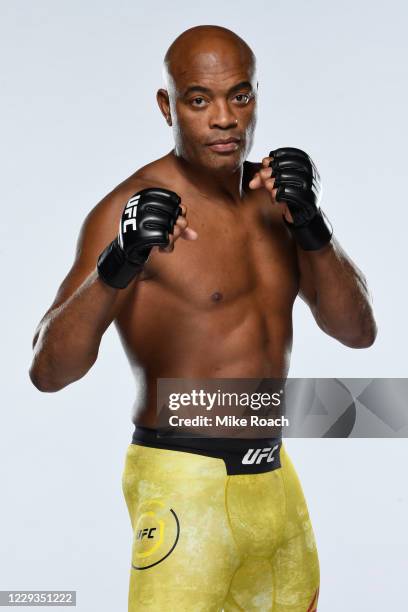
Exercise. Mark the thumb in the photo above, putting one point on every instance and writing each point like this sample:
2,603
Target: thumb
255,182
189,234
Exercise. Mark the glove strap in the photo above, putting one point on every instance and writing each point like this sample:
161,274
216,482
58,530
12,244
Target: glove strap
314,234
114,269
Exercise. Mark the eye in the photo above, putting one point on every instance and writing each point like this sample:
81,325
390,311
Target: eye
198,102
243,99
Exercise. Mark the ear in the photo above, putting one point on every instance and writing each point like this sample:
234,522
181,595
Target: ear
163,101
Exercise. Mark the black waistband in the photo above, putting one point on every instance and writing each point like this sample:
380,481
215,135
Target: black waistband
240,455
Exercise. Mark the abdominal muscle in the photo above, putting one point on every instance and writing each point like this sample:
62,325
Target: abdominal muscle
243,338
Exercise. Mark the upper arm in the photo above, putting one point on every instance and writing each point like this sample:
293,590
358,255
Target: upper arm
98,229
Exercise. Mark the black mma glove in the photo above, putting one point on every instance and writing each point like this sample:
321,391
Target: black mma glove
298,184
147,220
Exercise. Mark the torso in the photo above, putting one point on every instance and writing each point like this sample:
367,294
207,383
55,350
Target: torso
216,307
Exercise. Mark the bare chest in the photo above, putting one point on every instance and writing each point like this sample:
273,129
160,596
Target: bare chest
239,251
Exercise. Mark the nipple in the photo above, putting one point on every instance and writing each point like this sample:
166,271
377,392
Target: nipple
216,297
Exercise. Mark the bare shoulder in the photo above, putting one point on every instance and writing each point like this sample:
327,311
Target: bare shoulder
101,224
158,173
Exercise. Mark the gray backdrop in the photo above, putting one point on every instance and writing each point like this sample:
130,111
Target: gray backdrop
79,115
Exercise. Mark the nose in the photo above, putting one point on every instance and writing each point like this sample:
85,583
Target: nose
222,116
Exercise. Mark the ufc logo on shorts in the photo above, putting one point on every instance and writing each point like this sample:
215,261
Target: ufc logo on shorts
130,213
256,455
145,533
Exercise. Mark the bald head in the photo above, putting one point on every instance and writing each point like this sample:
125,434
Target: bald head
205,47
210,94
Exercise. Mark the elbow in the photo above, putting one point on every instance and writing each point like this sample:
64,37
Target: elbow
44,375
42,382
369,336
47,377
365,339
369,340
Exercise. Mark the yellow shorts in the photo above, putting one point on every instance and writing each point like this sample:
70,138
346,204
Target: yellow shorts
205,540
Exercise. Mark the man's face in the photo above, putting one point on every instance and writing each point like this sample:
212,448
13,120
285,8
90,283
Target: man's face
213,98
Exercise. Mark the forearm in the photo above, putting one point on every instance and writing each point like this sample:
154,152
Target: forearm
68,338
333,287
342,305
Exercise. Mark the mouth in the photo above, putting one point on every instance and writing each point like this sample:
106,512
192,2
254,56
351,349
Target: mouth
224,145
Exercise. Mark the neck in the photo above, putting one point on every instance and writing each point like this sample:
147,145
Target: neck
225,185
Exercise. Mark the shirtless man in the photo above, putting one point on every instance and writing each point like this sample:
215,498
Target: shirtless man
211,299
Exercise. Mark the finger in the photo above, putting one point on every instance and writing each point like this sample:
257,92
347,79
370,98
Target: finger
265,173
269,184
181,223
287,214
169,248
189,234
266,161
260,178
272,190
178,230
255,182
186,232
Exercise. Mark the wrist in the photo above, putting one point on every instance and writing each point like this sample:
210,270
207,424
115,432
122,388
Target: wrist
115,269
314,234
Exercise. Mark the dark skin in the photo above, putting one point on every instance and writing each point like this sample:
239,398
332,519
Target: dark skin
217,302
